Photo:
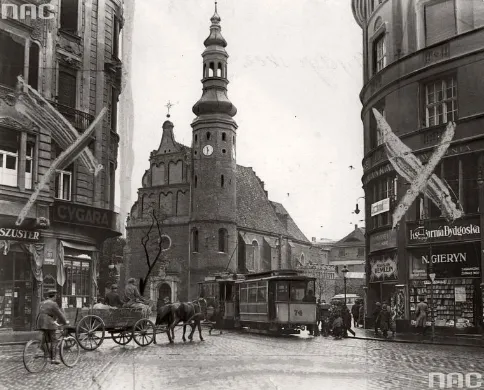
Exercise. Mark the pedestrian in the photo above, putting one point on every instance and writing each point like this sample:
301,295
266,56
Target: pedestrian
112,298
384,319
421,314
347,322
376,313
49,313
338,327
355,311
318,316
325,315
361,316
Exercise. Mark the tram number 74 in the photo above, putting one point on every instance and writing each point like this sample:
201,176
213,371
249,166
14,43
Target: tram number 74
298,312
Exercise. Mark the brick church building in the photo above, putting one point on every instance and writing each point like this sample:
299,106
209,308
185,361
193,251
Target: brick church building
213,214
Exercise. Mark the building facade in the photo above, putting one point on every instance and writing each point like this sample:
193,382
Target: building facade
67,52
215,215
422,65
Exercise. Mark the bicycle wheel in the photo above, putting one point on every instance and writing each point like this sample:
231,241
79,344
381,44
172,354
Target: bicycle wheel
34,356
69,351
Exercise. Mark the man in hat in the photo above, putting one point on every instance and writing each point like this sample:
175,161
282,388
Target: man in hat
133,298
112,297
49,313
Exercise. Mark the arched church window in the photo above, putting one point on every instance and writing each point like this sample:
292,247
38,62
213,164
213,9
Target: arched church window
219,70
211,70
224,136
208,135
204,70
222,240
222,181
196,181
195,240
196,137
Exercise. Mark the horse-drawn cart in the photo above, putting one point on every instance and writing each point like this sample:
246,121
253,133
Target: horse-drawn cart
91,325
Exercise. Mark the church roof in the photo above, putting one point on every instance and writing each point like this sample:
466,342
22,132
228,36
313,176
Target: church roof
256,212
291,227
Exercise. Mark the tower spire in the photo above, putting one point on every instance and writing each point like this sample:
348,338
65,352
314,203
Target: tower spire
214,99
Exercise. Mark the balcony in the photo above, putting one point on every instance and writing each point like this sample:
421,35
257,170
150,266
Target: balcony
79,119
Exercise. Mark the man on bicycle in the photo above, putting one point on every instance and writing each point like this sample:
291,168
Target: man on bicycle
48,315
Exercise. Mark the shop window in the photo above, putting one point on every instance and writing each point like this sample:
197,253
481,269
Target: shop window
379,53
11,59
262,292
69,15
222,240
77,287
243,295
63,185
440,21
252,293
441,101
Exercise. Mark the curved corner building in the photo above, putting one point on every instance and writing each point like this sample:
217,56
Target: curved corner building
423,62
67,51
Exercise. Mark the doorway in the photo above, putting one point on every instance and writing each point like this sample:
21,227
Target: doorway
16,289
164,291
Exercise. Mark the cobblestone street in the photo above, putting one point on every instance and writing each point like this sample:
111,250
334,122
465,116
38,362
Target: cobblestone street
247,361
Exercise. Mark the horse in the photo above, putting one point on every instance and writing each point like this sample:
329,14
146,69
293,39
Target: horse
164,316
191,313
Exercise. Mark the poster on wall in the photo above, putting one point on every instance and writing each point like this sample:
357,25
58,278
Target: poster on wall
384,268
449,261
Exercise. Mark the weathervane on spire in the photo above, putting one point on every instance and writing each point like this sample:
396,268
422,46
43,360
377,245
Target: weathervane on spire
215,6
168,106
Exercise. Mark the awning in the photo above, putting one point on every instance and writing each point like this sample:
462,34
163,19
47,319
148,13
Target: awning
79,247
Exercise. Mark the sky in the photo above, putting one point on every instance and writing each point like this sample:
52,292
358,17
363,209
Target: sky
295,73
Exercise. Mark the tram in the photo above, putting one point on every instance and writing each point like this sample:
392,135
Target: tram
271,302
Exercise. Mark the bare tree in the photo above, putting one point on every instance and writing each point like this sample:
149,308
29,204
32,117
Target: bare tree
154,245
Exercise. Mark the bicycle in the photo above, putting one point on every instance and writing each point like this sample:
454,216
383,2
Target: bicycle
36,353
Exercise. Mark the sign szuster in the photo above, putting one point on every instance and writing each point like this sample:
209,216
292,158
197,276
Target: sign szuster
19,234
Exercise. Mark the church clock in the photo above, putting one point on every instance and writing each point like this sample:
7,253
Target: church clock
207,150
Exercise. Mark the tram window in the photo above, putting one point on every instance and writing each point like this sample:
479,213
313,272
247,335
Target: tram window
262,292
282,291
252,294
243,294
228,292
298,291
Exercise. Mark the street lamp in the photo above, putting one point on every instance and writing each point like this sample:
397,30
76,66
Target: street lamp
345,271
357,210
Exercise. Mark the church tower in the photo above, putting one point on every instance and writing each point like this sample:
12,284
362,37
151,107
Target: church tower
213,229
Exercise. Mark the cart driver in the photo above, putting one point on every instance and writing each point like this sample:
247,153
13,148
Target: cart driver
49,313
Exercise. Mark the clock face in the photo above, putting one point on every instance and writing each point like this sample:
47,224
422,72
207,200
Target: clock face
233,152
207,150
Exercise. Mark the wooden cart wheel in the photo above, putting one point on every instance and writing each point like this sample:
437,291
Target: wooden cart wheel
90,332
123,337
144,332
